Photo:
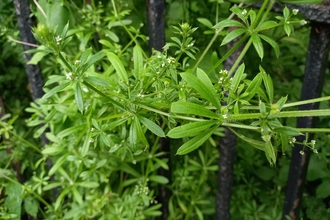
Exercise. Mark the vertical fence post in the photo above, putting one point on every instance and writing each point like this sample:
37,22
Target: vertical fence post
156,32
227,149
316,64
33,71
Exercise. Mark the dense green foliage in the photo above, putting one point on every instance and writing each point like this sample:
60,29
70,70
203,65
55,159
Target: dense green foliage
107,104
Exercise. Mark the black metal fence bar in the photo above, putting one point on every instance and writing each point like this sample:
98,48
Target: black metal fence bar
156,33
316,64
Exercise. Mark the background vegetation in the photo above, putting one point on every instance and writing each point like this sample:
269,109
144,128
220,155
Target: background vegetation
117,179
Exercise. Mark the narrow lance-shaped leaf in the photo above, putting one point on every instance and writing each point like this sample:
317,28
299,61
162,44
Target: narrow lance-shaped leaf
152,126
253,87
270,153
138,62
268,84
258,45
84,149
302,1
272,43
229,23
232,35
190,129
255,143
56,89
288,131
192,109
196,142
206,92
78,97
85,55
205,22
237,78
119,67
140,133
93,60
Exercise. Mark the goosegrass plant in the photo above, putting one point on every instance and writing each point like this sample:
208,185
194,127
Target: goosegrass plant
106,111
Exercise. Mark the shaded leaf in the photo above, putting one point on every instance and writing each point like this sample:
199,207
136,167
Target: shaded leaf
196,142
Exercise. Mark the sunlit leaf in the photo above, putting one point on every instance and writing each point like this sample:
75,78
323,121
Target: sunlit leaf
190,129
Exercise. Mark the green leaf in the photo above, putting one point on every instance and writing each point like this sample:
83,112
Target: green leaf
152,126
97,80
196,142
284,142
52,185
57,164
270,153
56,89
266,25
84,149
236,80
257,45
323,190
232,35
85,55
262,108
133,136
286,12
281,102
205,22
268,82
272,43
31,205
252,15
52,150
70,130
192,109
190,129
138,62
287,29
65,31
255,143
158,179
78,97
77,195
302,1
112,35
93,60
54,79
229,23
252,88
61,197
117,64
37,57
288,131
206,92
88,184
140,133
13,199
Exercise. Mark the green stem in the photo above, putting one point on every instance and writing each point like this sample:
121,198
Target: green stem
309,101
240,57
217,32
119,105
232,125
229,52
314,130
30,191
